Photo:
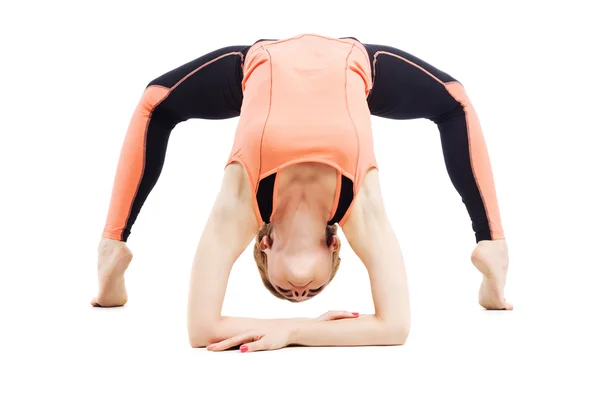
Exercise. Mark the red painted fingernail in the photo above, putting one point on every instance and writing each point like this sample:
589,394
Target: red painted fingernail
244,348
355,314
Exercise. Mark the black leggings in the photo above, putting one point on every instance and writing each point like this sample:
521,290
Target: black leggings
404,87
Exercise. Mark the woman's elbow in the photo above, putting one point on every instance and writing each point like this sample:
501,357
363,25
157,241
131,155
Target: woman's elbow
398,333
200,335
197,340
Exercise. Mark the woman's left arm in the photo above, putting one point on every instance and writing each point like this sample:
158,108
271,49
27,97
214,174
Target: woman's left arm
374,241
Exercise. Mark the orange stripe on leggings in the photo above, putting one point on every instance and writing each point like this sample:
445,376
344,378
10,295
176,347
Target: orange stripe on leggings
131,163
480,161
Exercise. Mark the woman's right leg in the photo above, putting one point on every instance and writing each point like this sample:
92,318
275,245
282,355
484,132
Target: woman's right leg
207,88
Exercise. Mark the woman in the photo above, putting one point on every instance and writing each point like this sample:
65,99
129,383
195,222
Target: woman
302,163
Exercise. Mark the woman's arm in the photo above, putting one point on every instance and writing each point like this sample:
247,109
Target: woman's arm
372,238
366,330
231,226
228,231
370,235
340,328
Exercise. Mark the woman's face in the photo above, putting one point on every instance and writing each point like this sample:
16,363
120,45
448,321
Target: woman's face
299,273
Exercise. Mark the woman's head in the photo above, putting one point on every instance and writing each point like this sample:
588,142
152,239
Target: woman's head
297,272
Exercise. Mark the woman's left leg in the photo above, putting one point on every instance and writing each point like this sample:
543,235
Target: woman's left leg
405,87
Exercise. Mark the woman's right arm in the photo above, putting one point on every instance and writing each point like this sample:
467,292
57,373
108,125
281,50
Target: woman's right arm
231,226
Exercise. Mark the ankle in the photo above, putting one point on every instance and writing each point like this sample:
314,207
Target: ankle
108,247
492,248
106,244
490,256
498,244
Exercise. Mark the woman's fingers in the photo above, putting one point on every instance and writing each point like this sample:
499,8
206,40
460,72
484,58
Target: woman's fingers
343,315
258,345
250,344
333,315
234,341
226,344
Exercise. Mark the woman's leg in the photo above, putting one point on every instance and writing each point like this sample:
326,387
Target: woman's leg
208,88
405,87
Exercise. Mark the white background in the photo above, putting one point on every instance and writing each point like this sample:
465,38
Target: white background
72,74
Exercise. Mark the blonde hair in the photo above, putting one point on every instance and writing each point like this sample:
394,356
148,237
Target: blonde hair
261,258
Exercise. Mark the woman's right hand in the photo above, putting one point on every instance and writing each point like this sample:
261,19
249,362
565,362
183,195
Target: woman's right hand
333,315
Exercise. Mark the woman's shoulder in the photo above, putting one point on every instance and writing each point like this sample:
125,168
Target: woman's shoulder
235,187
235,194
235,182
368,206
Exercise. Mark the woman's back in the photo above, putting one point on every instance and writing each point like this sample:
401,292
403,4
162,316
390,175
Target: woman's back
305,101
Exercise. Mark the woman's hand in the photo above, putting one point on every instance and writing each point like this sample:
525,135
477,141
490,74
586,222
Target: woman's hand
271,338
268,339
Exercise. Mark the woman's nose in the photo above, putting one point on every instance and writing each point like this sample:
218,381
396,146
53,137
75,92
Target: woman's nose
299,295
299,292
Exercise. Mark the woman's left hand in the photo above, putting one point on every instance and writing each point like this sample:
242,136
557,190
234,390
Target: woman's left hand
270,339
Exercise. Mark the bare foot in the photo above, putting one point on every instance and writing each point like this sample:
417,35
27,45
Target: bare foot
113,259
490,257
